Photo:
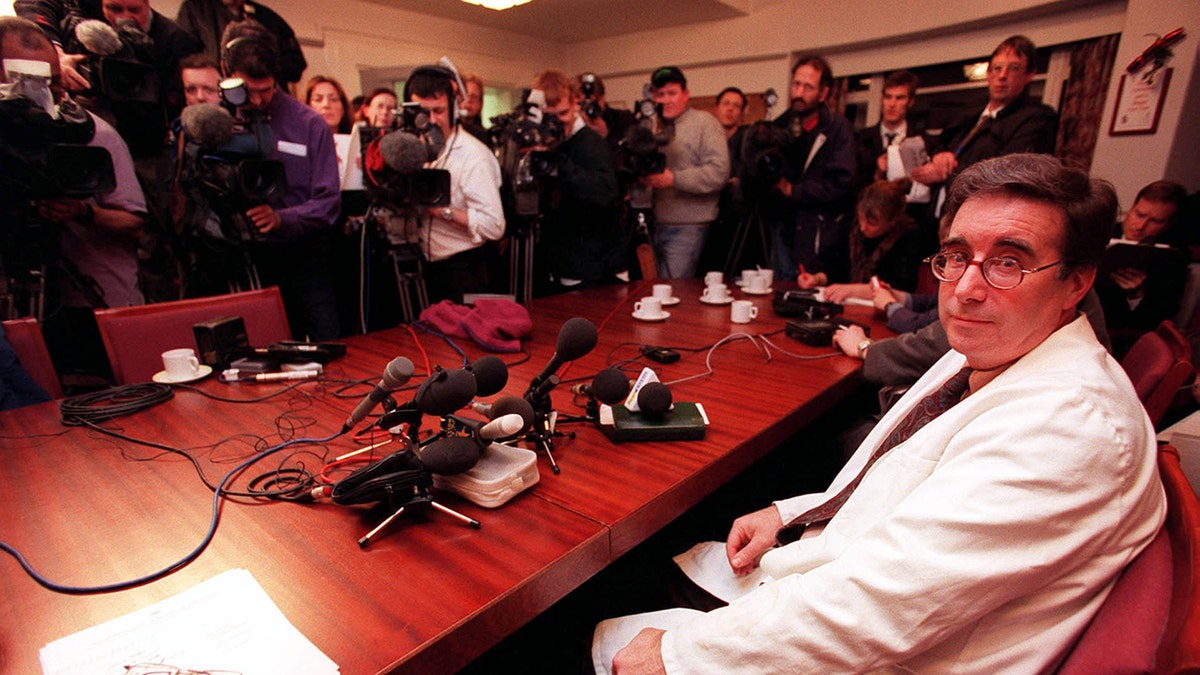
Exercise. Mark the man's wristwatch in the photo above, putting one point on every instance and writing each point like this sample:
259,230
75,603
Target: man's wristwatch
862,347
447,213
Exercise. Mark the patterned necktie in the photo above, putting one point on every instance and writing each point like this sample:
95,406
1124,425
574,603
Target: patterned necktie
931,406
983,120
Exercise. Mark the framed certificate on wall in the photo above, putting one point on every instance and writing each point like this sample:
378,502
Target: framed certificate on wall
1139,104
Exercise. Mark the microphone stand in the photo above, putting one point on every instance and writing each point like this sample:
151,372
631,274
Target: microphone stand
541,433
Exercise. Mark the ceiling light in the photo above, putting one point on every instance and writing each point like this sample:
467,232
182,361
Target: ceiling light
976,72
496,4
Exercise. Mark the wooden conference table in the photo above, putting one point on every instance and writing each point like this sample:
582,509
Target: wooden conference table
430,594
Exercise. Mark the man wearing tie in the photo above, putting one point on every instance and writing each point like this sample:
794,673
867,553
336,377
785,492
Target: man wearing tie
982,522
1010,122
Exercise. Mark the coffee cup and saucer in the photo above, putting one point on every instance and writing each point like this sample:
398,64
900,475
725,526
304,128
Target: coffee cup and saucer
665,294
650,309
757,282
180,366
716,294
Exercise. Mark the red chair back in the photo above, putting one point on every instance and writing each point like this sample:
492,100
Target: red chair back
136,337
25,336
1158,364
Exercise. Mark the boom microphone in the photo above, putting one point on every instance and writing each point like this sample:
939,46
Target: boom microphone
138,40
491,374
609,386
403,152
210,125
395,376
576,338
98,37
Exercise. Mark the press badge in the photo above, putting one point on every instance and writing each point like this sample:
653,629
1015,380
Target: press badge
290,148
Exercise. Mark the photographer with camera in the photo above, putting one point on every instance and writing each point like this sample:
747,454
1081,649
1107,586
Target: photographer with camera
687,191
611,123
582,241
451,237
291,232
92,252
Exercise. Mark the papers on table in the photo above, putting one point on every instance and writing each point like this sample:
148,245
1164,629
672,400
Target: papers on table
861,302
228,622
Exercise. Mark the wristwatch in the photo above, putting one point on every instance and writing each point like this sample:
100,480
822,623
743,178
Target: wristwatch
447,213
862,347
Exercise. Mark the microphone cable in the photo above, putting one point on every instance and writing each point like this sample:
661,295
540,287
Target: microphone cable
114,402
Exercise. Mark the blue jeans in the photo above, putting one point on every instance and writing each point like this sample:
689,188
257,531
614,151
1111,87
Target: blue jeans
678,248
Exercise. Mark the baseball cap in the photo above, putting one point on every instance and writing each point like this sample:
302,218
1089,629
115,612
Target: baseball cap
666,75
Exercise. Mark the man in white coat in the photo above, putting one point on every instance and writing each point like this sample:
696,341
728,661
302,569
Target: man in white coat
985,541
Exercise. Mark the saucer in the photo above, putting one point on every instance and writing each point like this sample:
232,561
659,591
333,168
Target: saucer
728,299
670,302
747,291
661,317
162,377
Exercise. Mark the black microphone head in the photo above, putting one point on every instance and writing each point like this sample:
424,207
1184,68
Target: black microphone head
397,373
451,455
610,386
208,124
576,338
507,405
403,152
654,399
445,392
491,374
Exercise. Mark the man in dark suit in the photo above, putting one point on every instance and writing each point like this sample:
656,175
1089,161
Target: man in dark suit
1010,122
876,143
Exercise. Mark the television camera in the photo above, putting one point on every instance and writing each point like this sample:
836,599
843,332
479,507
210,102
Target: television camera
525,140
394,160
590,104
43,155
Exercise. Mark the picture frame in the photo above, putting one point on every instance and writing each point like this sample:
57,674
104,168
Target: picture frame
1139,104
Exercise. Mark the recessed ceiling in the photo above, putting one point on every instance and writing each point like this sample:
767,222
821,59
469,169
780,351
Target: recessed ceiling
569,21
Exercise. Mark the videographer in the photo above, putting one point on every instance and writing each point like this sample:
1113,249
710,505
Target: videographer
292,230
97,238
583,244
687,192
451,237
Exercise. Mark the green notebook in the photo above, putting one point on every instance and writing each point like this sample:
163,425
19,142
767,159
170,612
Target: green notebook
684,422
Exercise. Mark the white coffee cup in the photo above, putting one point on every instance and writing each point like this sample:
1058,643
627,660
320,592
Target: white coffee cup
648,308
181,363
769,275
748,277
758,284
715,293
662,292
742,311
711,278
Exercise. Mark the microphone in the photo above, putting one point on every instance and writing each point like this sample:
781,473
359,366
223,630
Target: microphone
445,392
138,40
403,152
507,405
395,376
491,374
502,426
234,375
576,338
98,37
450,455
654,399
609,386
208,124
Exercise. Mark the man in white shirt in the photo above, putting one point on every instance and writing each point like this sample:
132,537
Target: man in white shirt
984,541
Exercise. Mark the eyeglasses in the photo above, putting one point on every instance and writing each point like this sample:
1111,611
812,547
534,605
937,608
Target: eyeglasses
161,669
1000,272
1013,68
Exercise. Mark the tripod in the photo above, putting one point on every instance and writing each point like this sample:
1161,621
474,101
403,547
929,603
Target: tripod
520,261
420,499
542,433
750,222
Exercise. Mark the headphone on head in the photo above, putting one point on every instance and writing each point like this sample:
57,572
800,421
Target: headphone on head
446,76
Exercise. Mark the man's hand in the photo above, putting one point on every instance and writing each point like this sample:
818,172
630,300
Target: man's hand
937,170
597,125
1129,279
659,180
842,292
847,339
808,281
61,209
643,654
881,167
71,77
884,295
264,217
751,536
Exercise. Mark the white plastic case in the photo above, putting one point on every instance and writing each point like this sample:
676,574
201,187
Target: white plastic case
501,473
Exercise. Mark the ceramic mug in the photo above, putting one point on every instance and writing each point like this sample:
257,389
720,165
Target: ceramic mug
181,363
715,293
742,311
648,308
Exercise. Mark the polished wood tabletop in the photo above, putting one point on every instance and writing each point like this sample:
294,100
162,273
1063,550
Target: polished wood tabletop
430,594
